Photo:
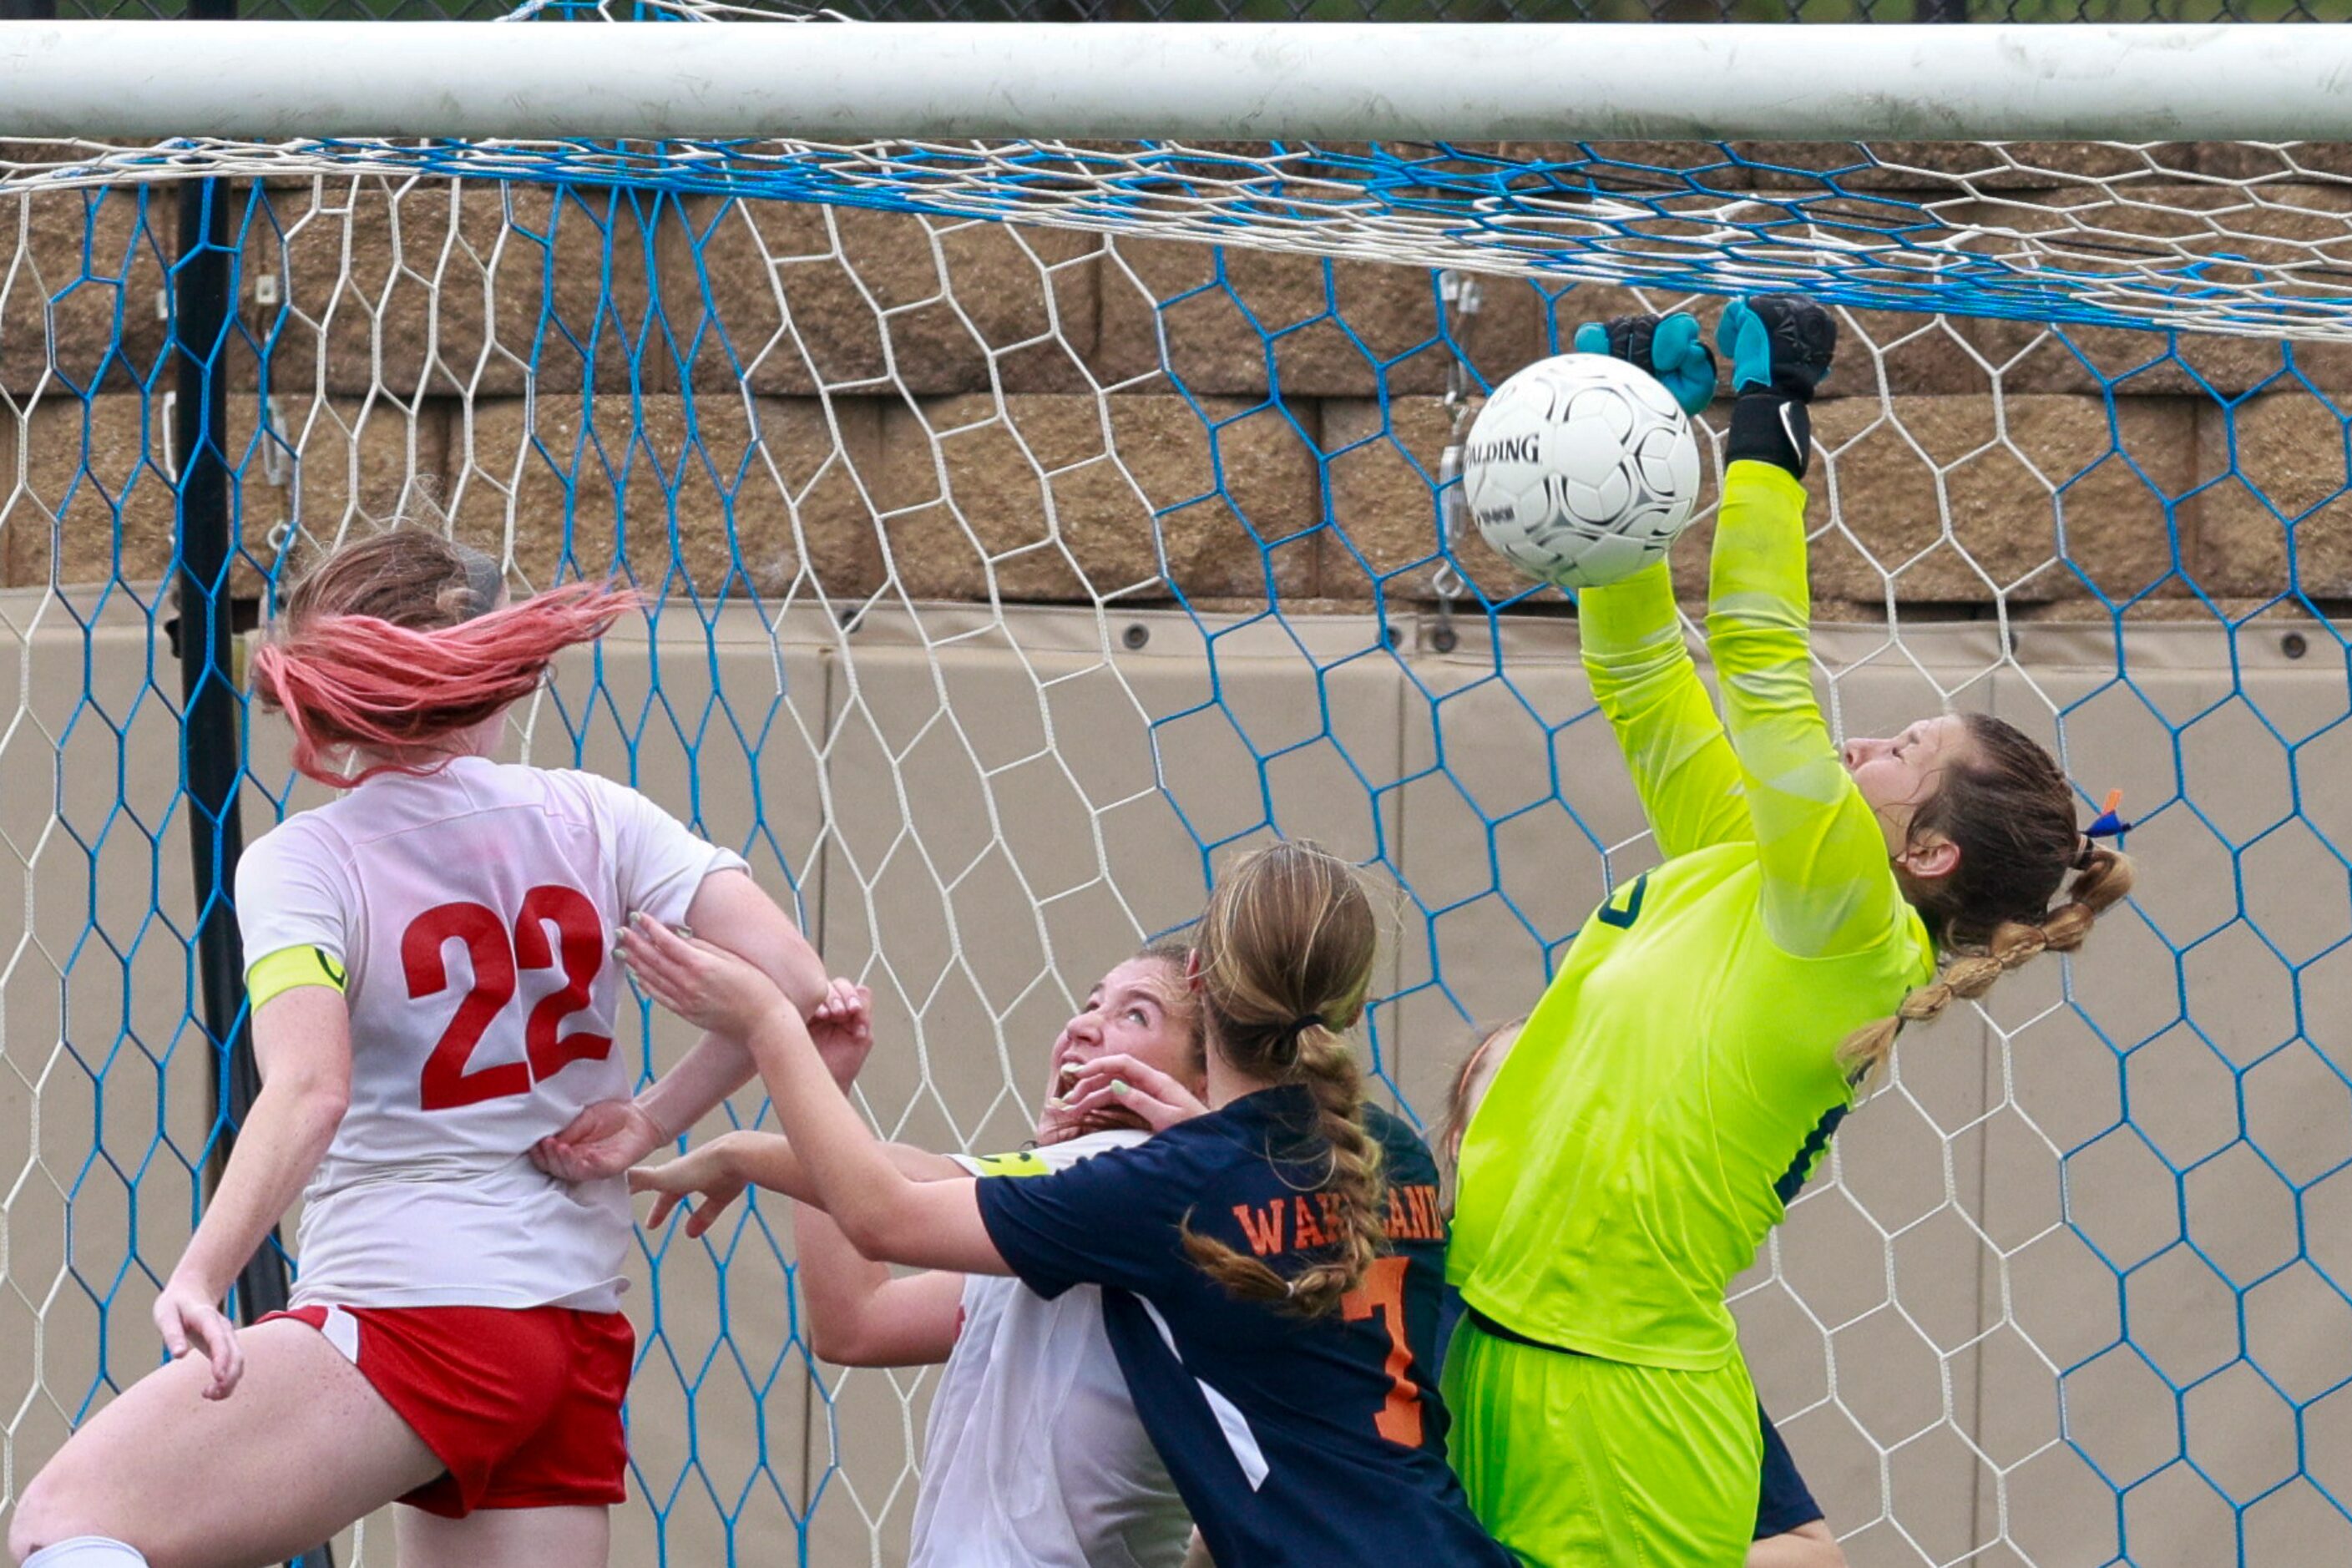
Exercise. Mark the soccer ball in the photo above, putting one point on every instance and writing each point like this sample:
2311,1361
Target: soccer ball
1580,470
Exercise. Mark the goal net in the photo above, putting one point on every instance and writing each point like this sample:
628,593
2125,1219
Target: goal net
1032,522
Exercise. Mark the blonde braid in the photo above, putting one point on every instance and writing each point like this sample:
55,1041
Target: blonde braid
1286,951
1352,1213
2104,877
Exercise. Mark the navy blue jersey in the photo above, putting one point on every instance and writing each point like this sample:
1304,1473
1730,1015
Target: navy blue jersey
1293,1440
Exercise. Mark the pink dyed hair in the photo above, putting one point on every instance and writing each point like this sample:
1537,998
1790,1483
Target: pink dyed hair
385,647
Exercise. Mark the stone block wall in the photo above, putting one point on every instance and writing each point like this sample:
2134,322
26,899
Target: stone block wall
858,403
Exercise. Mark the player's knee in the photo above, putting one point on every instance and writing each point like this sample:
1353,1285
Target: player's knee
1825,1551
33,1524
1807,1546
53,1509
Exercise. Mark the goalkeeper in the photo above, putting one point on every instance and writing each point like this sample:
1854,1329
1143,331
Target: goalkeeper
1684,1069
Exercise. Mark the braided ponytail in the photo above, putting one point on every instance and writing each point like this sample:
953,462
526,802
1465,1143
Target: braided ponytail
1285,950
1969,972
1351,1195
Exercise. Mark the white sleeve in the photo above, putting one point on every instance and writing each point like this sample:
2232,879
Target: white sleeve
1043,1159
658,860
291,892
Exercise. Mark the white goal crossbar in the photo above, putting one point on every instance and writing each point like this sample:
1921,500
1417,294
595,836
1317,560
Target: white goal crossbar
1234,81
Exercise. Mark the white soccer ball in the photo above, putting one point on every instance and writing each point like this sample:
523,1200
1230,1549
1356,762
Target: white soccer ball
1580,470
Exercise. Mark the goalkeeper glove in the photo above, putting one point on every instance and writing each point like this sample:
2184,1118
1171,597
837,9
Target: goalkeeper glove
1780,346
1668,347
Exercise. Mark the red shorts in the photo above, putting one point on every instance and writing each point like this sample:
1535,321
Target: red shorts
523,1406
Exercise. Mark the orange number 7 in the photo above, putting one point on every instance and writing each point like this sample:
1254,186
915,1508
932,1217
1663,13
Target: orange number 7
1383,1291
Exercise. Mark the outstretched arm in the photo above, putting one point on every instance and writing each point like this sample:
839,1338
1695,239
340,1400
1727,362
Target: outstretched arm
859,1314
718,1171
1828,887
1631,636
885,1215
733,912
1644,682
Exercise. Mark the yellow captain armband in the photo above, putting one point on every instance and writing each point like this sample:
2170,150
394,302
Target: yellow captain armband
1022,1163
286,968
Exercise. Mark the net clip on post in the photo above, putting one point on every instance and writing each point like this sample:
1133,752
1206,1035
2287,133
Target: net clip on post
1459,296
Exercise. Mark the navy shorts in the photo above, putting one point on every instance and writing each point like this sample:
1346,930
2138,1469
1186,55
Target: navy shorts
1784,1502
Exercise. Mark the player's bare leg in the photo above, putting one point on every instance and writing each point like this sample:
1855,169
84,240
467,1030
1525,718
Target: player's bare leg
506,1537
1807,1546
302,1448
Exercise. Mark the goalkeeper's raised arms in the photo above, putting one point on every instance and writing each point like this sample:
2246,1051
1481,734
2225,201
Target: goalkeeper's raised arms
1780,346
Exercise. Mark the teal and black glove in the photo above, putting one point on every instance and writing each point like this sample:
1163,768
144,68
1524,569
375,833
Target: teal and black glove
1668,347
1780,346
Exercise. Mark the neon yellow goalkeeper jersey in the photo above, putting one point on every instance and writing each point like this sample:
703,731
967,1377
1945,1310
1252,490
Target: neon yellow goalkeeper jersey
1681,1075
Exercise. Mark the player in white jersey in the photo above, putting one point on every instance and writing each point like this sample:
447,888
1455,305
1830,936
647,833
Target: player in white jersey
433,998
1035,1458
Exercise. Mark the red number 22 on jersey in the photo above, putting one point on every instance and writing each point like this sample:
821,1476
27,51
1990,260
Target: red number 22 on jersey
496,958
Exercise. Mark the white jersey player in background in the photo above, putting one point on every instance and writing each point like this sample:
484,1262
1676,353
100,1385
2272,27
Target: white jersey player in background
1034,1456
433,1005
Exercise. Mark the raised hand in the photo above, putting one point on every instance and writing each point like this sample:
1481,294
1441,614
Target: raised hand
708,1172
843,1028
1119,1089
1780,343
189,1318
703,984
1668,347
1780,346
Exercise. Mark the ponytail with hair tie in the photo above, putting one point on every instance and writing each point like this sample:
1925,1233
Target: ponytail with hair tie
485,581
1285,950
2027,880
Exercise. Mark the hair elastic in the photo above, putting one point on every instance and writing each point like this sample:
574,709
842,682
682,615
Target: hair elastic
2109,823
485,581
